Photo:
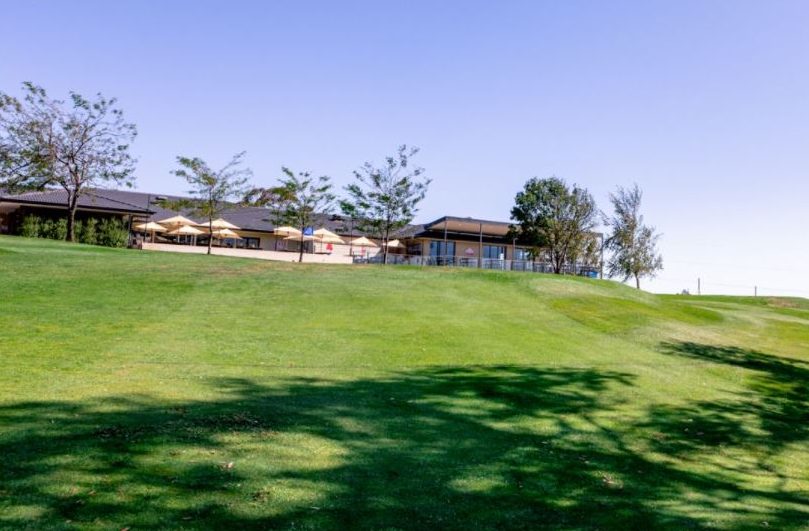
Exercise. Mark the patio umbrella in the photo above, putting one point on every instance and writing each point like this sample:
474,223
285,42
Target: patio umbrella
325,233
227,233
394,244
185,230
327,236
177,220
218,224
152,227
363,242
286,231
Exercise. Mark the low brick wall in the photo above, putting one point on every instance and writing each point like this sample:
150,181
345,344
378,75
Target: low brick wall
250,253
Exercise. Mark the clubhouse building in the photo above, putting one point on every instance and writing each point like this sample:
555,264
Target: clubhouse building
447,241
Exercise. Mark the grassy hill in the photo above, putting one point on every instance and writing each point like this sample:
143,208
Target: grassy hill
142,390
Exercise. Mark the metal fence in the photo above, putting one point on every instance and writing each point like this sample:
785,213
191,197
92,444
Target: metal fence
529,266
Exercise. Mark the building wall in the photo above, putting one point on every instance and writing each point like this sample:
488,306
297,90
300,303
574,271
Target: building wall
461,247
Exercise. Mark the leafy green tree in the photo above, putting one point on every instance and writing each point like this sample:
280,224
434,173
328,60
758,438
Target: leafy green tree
75,145
212,191
385,199
555,219
633,245
295,200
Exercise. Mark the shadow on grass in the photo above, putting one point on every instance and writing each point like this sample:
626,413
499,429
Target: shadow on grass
489,447
772,411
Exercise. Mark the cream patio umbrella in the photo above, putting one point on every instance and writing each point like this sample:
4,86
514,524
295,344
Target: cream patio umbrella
299,238
152,227
227,233
176,220
186,230
218,224
363,242
286,231
394,244
327,236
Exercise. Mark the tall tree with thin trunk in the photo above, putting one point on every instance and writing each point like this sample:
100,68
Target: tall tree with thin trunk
212,191
295,200
384,199
555,219
75,145
632,245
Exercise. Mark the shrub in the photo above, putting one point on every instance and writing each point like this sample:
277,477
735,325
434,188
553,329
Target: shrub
30,226
88,232
46,228
112,233
59,229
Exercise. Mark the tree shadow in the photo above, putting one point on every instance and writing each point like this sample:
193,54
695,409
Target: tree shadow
772,411
475,447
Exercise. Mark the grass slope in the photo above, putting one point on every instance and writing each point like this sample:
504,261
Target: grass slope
146,390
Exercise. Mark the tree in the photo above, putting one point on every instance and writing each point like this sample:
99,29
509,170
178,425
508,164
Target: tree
632,244
75,145
296,199
212,190
385,199
555,219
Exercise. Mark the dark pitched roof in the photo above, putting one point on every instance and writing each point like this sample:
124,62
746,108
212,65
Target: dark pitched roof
112,200
259,219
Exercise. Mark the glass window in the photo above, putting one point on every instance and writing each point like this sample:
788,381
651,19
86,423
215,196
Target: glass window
521,253
495,252
441,248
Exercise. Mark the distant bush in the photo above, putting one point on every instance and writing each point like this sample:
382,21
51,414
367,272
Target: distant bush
47,229
112,233
88,232
30,226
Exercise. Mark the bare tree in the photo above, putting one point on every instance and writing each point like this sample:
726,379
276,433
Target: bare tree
632,244
212,190
76,145
385,199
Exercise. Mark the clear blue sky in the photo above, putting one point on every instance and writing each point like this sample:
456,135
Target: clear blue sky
704,103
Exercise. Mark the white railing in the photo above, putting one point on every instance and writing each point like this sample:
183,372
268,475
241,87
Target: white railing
486,263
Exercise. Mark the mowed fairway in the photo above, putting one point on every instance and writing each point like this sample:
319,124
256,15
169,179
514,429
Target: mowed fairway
146,390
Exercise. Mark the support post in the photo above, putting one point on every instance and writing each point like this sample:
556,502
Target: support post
480,248
446,246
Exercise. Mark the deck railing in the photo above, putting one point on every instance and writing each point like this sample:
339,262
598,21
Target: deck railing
530,266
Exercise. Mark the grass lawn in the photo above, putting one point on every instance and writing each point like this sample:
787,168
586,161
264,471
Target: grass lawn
155,390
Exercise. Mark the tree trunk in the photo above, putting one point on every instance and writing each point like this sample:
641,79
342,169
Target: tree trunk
385,248
72,205
637,282
210,235
300,250
557,263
